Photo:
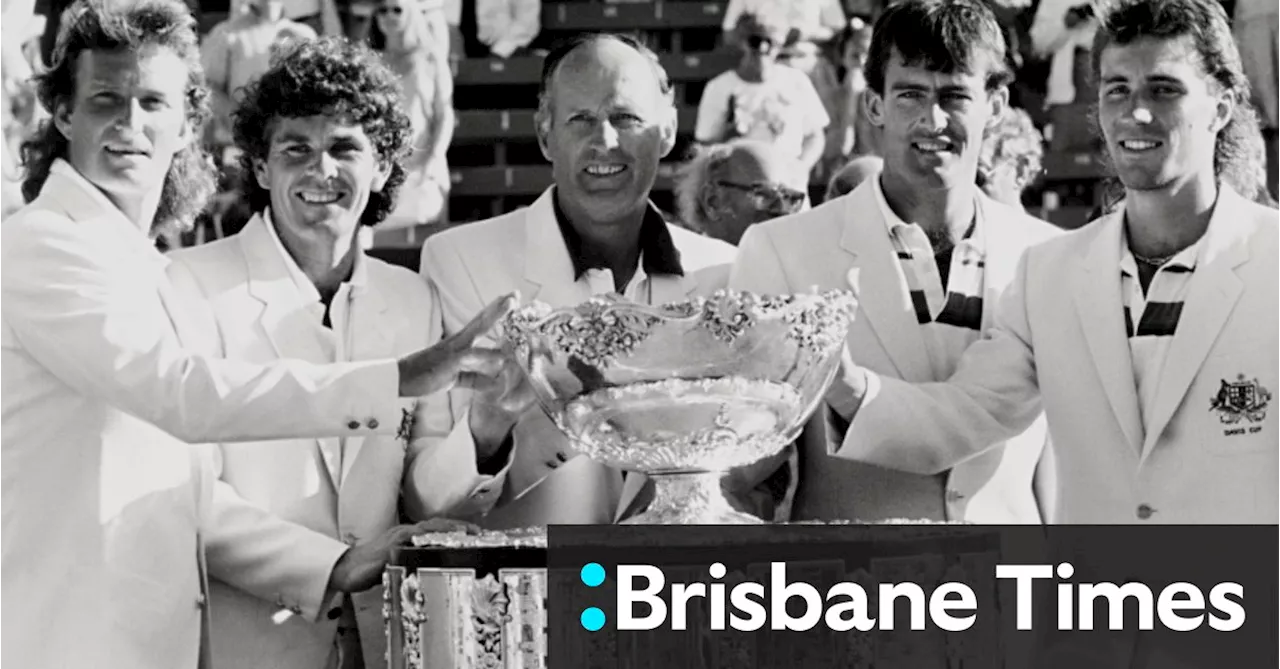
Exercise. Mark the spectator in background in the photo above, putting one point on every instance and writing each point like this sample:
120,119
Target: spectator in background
1011,157
814,21
1256,34
239,50
1063,32
506,27
19,110
413,53
852,175
852,134
320,15
726,188
761,99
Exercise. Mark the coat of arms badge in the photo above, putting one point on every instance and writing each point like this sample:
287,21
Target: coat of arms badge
1241,399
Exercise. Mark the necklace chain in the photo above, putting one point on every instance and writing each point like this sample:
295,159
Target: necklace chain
1153,262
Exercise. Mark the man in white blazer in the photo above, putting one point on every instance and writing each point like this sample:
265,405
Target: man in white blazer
914,318
605,121
102,499
1150,335
270,290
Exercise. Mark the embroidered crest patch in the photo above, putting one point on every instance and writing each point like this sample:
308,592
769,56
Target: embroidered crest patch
1242,399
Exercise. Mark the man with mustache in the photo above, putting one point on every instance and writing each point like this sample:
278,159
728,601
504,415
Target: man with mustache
1149,336
927,254
325,136
103,498
605,119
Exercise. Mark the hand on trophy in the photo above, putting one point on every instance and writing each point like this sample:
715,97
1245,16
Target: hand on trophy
361,567
497,405
456,361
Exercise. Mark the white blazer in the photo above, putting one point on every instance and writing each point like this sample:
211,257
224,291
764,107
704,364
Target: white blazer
267,592
524,250
844,245
1060,337
99,564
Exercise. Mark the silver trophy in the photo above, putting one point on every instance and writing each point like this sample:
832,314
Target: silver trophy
682,392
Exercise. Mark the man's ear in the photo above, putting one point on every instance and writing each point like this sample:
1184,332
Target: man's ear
669,132
261,175
709,197
1226,109
62,119
999,102
381,176
875,108
542,128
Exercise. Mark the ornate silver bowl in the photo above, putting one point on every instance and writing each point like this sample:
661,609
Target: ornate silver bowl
683,392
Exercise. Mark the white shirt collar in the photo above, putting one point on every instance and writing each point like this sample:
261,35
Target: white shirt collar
892,221
359,270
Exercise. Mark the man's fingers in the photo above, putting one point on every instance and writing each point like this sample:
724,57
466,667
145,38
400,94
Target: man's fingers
488,317
446,525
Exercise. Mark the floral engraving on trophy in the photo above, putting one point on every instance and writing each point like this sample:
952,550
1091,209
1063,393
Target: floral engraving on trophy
596,333
683,391
489,603
413,614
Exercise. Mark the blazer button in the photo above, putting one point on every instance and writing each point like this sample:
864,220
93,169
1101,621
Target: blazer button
353,425
350,539
200,600
1145,511
373,423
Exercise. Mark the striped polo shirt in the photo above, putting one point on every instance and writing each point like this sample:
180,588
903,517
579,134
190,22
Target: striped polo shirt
1151,319
950,318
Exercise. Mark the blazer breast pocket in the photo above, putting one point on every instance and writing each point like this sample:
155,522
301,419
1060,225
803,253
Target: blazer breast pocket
1237,406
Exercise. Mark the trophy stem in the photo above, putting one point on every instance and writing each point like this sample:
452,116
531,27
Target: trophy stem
691,498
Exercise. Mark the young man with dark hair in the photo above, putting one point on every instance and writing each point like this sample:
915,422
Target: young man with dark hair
928,255
1150,335
326,137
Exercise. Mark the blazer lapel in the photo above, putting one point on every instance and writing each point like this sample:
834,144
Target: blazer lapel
1211,295
880,288
371,340
1101,311
283,321
548,268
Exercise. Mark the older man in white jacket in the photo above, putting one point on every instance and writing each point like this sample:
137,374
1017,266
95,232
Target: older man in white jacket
605,122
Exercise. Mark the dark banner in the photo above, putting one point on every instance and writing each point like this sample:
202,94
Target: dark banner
913,597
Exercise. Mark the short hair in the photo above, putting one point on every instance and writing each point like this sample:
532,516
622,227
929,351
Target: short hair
332,77
1014,138
691,181
945,36
102,25
563,49
1205,21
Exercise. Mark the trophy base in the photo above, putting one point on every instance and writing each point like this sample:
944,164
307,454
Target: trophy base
690,499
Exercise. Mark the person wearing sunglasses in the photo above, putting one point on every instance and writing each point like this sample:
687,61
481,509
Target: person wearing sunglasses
729,187
419,57
763,99
927,255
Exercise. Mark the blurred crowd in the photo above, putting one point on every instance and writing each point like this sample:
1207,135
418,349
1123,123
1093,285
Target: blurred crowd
798,85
